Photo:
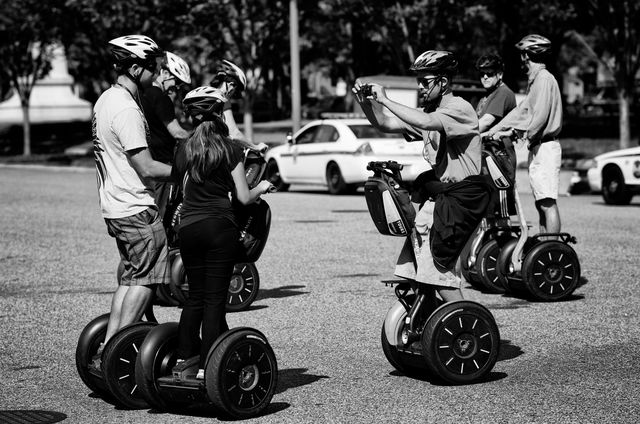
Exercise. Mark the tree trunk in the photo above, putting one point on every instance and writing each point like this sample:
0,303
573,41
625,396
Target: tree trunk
624,124
26,130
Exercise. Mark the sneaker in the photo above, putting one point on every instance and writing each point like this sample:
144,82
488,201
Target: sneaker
200,375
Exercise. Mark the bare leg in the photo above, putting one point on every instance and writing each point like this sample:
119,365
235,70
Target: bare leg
127,306
135,303
450,294
549,215
116,308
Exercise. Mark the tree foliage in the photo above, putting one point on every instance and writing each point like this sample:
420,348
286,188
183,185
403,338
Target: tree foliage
28,32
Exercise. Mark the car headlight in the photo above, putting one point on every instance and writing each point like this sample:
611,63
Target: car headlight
364,149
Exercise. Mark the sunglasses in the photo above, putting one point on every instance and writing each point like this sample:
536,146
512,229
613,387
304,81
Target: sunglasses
426,82
488,74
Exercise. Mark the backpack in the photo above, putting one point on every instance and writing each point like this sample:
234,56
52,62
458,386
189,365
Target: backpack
388,202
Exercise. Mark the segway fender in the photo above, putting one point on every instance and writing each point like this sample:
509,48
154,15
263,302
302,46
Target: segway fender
176,269
152,343
90,332
393,322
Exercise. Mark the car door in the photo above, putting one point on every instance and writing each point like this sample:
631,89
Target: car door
289,160
313,157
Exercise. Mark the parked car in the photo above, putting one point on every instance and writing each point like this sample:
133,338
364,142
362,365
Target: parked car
617,175
334,153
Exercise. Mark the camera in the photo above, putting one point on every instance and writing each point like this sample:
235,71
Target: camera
365,90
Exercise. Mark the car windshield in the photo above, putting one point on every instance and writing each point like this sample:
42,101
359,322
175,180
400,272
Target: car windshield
368,131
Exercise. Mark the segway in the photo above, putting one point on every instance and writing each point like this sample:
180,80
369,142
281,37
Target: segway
255,221
115,379
241,372
543,267
458,341
479,258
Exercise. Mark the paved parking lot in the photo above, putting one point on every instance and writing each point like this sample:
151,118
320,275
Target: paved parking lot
321,305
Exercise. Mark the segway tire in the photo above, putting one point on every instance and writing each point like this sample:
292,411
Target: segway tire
487,266
403,362
119,364
241,373
88,343
551,270
243,288
156,359
461,342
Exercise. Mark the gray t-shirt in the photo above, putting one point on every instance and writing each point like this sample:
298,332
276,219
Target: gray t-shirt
454,153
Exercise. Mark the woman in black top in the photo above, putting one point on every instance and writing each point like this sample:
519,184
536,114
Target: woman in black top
210,168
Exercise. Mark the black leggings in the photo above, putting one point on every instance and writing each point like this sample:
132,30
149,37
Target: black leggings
209,250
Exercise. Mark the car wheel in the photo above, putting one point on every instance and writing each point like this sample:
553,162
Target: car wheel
614,190
335,182
272,174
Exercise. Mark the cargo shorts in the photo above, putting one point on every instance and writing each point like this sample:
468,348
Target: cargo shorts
416,262
142,245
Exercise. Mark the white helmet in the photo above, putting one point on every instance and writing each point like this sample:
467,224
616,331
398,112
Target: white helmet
178,67
130,49
204,102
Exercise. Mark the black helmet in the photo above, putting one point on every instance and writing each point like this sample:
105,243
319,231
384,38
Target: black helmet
438,62
490,62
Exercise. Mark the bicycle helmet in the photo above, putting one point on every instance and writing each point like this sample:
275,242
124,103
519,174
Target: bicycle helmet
203,102
490,62
130,49
228,72
534,44
438,62
178,67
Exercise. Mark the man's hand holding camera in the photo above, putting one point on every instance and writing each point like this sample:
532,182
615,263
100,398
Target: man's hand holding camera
367,92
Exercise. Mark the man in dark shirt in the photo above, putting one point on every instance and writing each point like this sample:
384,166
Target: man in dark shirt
165,130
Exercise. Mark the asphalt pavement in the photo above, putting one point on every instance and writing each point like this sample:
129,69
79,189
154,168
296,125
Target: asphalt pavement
321,305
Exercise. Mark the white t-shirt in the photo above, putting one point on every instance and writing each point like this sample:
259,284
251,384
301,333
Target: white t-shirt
119,126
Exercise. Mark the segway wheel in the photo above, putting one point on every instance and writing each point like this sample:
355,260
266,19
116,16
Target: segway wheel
460,342
119,364
157,359
551,270
88,342
487,266
241,373
403,362
244,286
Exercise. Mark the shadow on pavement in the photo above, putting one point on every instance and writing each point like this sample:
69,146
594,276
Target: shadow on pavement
280,292
295,377
508,350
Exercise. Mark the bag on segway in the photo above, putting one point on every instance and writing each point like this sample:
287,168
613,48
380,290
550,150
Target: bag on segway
388,202
255,222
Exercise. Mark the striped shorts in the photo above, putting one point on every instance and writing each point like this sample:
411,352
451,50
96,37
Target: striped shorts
142,244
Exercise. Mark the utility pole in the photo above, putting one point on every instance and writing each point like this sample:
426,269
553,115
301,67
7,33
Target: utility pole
295,65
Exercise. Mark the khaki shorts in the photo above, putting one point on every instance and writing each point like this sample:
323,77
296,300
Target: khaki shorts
142,244
422,269
544,169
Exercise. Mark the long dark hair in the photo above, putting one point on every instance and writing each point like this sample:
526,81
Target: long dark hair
208,148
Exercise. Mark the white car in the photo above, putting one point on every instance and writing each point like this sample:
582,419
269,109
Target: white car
617,175
335,152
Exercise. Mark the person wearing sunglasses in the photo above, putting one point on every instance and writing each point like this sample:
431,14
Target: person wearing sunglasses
448,127
537,121
499,99
164,129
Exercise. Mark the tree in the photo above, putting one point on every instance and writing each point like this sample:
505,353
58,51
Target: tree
28,32
616,24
